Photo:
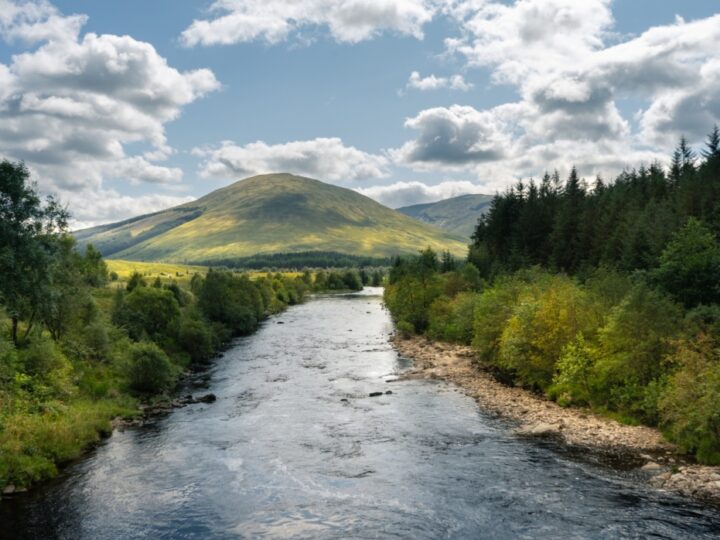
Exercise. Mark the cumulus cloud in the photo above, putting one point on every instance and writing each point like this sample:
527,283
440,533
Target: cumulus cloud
237,21
571,73
431,82
407,193
323,158
71,104
457,136
106,206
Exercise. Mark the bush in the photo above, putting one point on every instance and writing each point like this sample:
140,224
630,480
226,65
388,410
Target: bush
690,404
549,313
147,311
196,338
97,340
405,329
47,365
150,370
451,319
632,346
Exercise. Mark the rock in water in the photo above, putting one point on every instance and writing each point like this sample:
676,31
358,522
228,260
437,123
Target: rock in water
375,394
207,398
541,429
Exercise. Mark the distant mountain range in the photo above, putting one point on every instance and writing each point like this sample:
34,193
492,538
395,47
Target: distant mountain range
458,215
274,213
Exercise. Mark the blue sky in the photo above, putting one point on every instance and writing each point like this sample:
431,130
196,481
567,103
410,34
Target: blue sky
158,109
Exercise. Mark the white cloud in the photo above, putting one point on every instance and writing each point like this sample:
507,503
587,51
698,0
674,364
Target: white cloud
71,105
457,136
323,158
431,82
93,207
571,81
237,21
407,193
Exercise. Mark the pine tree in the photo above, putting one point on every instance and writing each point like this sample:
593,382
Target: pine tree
713,144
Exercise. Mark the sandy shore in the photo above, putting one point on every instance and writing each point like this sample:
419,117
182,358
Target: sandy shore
538,417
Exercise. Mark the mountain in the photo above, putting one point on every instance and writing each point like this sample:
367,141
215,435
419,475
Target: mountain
457,215
273,213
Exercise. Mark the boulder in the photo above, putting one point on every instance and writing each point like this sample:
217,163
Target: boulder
541,429
207,398
651,466
375,394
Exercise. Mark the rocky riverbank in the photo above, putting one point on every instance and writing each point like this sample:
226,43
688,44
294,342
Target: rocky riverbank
639,446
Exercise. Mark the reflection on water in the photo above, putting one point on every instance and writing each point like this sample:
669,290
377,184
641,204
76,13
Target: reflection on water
295,448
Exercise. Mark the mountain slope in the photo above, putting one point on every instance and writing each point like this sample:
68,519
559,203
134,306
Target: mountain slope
457,215
275,213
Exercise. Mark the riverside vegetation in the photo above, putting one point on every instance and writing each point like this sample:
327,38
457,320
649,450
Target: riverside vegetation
605,297
80,346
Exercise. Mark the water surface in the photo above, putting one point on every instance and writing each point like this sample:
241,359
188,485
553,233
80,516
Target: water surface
295,448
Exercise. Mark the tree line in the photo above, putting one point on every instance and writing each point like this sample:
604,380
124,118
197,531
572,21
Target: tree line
606,296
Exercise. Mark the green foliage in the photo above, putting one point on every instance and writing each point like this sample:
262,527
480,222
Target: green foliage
150,370
690,406
136,280
97,340
451,319
29,233
196,338
690,265
147,311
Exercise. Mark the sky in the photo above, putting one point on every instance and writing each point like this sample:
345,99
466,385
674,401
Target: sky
122,108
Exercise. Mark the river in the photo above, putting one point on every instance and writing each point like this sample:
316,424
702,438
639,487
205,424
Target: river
294,447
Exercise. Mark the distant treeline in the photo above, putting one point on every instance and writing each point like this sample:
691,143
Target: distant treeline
606,296
300,260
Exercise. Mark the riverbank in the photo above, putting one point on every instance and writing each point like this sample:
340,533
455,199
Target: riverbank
639,446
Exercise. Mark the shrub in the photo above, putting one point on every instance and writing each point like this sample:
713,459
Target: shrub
451,319
196,338
97,340
405,329
632,346
548,315
150,370
690,404
147,311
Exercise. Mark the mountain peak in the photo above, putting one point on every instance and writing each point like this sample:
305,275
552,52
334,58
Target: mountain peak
269,213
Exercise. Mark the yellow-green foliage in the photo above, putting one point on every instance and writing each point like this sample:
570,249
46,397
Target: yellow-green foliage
547,315
619,346
690,408
150,270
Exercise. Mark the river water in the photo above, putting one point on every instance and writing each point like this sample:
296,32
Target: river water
281,455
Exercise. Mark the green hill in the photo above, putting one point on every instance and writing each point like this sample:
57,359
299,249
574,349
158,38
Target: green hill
274,213
457,215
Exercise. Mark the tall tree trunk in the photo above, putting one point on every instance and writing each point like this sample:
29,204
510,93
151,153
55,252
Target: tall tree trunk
14,329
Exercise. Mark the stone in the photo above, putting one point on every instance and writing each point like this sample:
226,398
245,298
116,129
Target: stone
375,394
9,490
207,398
388,392
651,466
541,429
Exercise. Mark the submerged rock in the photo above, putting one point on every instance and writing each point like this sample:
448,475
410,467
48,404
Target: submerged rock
375,394
207,398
